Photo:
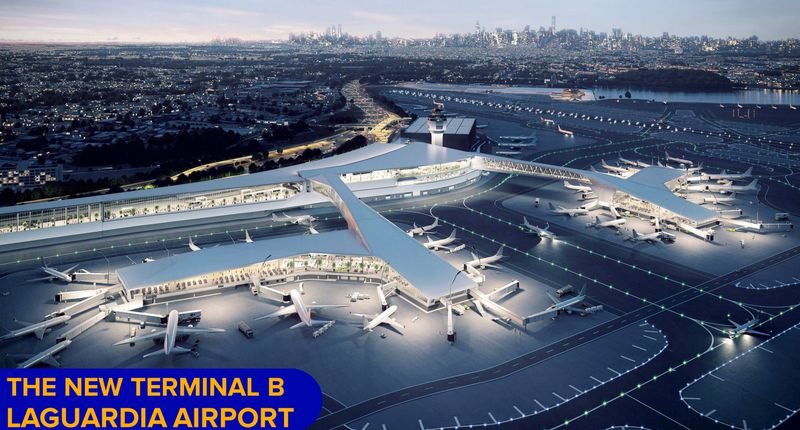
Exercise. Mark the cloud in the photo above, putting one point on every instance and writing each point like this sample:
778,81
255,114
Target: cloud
372,16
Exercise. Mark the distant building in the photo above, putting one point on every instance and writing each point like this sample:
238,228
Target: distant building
457,133
29,174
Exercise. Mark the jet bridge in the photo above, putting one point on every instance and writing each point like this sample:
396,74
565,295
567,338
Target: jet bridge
507,165
489,302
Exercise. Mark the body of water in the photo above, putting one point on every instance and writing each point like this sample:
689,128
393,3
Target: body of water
753,96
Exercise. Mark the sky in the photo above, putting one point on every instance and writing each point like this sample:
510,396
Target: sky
170,21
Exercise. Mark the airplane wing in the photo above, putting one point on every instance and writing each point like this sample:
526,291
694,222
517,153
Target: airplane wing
394,323
757,333
40,332
541,316
70,269
193,330
493,266
288,310
735,324
552,297
44,278
326,306
152,335
574,309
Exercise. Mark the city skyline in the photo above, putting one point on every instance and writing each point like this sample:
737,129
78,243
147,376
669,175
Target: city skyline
174,21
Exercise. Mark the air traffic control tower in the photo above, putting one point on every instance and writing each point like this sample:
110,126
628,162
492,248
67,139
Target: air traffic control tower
437,124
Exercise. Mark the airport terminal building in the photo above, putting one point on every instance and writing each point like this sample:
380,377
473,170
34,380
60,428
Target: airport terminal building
372,249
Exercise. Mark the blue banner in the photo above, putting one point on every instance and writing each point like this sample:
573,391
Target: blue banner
159,398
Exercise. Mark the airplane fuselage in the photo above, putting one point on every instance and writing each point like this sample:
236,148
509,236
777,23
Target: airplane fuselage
383,316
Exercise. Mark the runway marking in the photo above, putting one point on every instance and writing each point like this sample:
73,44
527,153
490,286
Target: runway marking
765,349
596,331
784,407
521,414
597,380
565,344
651,338
452,382
691,398
638,347
618,374
381,402
365,426
652,331
581,338
458,424
562,399
708,414
573,387
492,417
548,351
629,359
643,324
656,411
422,427
715,376
540,404
405,394
428,388
383,426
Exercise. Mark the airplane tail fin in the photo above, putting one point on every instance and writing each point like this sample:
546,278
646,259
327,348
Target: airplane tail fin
754,183
474,257
247,237
597,220
749,171
525,220
583,290
635,234
429,239
435,222
44,263
552,208
154,353
499,252
452,235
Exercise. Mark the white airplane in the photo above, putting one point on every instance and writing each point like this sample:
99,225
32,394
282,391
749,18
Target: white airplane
611,168
192,246
725,201
577,188
39,329
747,174
752,187
614,223
678,160
564,132
301,309
746,328
424,229
485,262
650,237
299,219
48,356
560,210
356,296
53,274
542,232
628,162
170,335
570,305
385,317
440,243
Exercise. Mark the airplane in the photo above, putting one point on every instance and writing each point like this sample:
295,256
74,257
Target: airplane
650,237
792,107
615,223
678,160
299,219
746,328
48,356
170,335
356,296
570,305
424,229
560,210
547,121
384,317
725,201
53,274
747,174
752,187
614,169
441,243
485,262
39,329
565,132
301,309
192,246
577,188
542,232
629,162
